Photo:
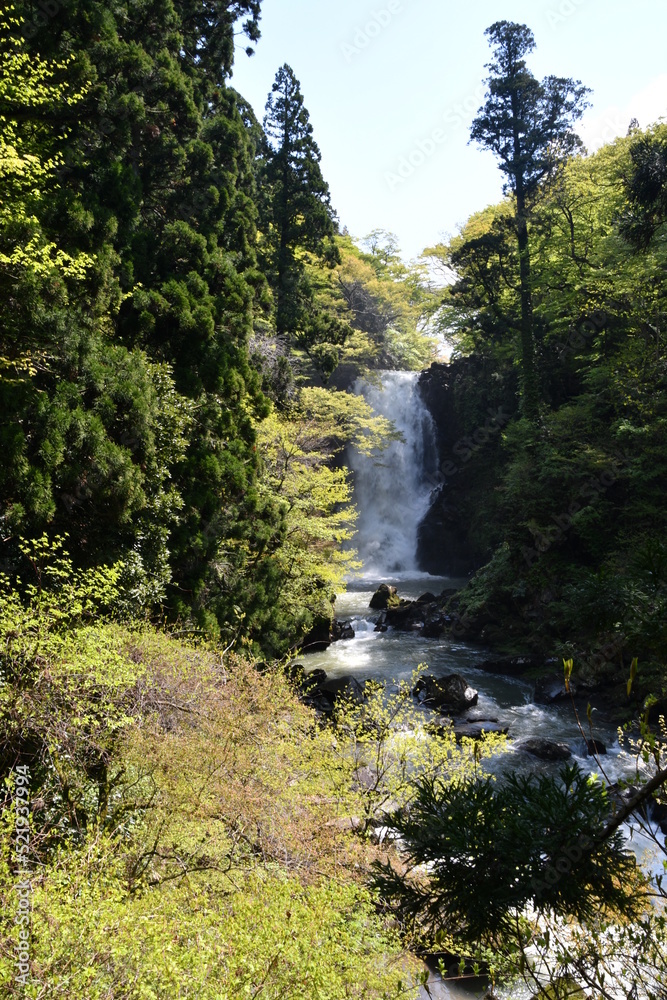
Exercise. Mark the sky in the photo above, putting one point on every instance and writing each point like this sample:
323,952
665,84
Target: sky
393,85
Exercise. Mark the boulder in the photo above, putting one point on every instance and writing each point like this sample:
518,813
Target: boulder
427,598
476,730
658,814
595,748
621,796
545,749
382,596
448,694
448,593
341,631
313,695
404,615
322,692
551,689
319,637
338,687
435,627
315,679
511,666
296,673
319,701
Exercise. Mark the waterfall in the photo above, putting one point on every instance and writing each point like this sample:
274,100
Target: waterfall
393,489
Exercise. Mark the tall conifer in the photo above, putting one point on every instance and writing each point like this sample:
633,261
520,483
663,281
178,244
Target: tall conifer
300,216
528,125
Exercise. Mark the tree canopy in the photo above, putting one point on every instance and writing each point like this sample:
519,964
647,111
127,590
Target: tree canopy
528,126
298,218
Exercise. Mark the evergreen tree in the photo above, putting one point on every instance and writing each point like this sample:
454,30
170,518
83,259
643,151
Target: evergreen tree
90,428
157,189
647,190
528,125
299,219
477,854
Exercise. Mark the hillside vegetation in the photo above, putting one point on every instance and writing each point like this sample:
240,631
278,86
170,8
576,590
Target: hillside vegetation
566,512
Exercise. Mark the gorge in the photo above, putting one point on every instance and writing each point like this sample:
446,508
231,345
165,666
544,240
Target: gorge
392,493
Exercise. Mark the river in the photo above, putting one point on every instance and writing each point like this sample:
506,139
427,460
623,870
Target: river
393,495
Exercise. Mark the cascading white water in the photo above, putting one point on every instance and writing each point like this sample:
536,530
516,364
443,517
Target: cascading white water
393,490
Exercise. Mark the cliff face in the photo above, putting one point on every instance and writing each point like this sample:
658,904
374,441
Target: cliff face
444,546
471,403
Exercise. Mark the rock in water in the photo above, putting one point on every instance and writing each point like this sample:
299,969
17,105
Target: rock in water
552,689
435,626
341,631
545,749
476,730
382,596
512,666
448,694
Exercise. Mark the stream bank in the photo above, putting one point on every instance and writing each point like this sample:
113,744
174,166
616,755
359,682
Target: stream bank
392,656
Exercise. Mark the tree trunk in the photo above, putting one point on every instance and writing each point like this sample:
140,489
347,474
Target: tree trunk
530,396
530,389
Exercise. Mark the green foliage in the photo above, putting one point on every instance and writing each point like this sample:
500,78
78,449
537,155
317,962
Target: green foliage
568,504
646,189
297,219
389,744
385,302
182,824
126,321
28,161
63,702
206,940
529,127
298,449
477,855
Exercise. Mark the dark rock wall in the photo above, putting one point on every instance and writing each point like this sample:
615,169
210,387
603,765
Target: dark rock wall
443,544
471,402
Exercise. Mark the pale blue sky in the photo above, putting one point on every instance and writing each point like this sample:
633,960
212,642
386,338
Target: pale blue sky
392,87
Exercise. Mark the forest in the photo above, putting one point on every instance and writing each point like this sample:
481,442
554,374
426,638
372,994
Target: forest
185,322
